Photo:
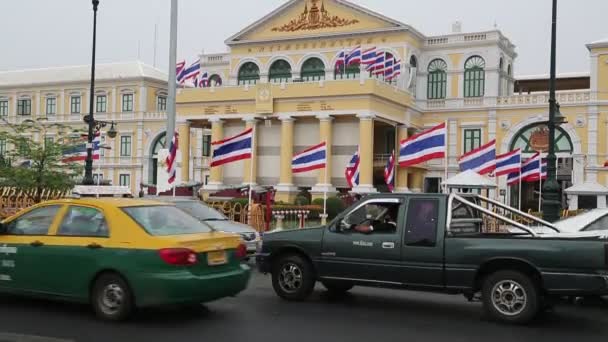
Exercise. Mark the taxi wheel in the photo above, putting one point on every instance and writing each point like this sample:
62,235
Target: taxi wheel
112,298
293,277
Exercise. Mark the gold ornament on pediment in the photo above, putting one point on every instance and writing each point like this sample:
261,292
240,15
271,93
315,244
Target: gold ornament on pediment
314,18
539,139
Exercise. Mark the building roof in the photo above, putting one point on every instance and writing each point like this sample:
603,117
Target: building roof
80,73
469,180
587,188
547,76
602,43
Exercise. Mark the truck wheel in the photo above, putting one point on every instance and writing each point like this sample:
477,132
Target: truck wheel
111,297
337,287
510,296
293,278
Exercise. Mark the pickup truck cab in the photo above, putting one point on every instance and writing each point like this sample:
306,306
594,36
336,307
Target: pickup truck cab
439,243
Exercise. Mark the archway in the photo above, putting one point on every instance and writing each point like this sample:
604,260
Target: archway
158,144
534,138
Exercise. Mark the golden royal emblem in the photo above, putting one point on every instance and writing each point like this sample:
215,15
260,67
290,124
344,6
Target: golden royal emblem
314,19
539,139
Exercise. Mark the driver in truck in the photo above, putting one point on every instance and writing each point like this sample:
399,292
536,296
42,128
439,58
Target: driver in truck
388,223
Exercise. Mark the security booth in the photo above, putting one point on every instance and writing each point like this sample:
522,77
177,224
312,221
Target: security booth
587,195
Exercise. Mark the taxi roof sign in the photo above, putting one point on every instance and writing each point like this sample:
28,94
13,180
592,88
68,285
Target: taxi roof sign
101,190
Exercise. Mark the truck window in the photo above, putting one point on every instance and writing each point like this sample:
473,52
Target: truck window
376,218
421,225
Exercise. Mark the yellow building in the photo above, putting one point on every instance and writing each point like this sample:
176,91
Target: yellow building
133,95
280,76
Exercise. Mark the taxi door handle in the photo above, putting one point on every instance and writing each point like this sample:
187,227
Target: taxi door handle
94,246
36,244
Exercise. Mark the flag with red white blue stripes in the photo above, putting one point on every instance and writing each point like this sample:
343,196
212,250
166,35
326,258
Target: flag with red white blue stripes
79,152
238,147
389,172
313,158
481,160
352,170
171,158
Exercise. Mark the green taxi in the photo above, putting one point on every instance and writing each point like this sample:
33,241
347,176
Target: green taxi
118,254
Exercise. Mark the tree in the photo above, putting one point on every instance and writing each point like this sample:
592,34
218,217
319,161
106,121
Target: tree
35,166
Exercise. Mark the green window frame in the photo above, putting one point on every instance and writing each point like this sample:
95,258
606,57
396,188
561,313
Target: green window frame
313,69
280,71
3,108
249,73
75,104
127,102
474,77
563,143
51,105
101,104
2,146
206,145
437,79
472,139
24,107
124,179
125,146
351,72
161,103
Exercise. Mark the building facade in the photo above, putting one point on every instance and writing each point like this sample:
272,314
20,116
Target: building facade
133,95
283,75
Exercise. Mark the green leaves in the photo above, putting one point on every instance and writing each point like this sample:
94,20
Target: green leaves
32,161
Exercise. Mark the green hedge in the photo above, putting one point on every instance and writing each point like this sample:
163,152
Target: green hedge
334,206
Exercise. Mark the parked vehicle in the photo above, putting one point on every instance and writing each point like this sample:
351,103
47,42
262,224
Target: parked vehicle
436,242
118,254
218,221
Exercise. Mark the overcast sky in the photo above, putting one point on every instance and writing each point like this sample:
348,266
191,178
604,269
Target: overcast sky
37,33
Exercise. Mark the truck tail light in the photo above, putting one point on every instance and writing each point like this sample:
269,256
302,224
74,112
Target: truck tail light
241,251
178,256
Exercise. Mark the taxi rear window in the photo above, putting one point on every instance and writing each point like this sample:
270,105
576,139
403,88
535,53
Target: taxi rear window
166,220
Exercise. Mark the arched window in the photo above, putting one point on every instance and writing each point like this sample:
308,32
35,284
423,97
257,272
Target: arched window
413,74
437,79
474,77
509,71
215,81
249,73
313,69
280,71
501,65
535,138
159,143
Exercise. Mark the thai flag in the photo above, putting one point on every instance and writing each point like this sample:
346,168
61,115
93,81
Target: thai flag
340,62
430,144
202,81
388,68
481,160
352,170
79,152
531,168
180,67
396,70
354,57
378,66
232,149
540,174
369,56
508,163
171,158
191,72
513,178
313,158
389,172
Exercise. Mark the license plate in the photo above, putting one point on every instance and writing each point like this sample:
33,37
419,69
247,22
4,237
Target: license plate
216,258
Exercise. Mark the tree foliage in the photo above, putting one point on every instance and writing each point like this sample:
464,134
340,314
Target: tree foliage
34,165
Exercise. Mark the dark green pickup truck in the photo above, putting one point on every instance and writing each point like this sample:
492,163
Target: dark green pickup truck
412,241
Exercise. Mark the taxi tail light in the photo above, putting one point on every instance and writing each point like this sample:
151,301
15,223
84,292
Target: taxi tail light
241,251
178,256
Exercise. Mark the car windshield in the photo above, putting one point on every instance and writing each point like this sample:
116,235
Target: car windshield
166,220
200,211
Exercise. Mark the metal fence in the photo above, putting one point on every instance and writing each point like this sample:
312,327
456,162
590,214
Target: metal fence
13,200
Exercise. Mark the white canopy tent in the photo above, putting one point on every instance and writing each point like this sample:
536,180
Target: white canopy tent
469,180
587,188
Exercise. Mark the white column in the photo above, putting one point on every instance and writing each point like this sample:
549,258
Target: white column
143,99
492,125
114,97
572,202
38,100
594,73
60,100
14,109
578,169
601,201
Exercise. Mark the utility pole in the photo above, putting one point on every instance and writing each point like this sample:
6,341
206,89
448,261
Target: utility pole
172,76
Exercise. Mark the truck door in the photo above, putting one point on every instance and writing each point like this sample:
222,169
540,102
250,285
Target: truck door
422,254
372,256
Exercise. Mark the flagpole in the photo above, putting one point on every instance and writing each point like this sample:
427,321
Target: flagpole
172,74
249,212
540,182
325,186
519,185
445,160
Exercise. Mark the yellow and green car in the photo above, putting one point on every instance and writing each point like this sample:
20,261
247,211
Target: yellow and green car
118,254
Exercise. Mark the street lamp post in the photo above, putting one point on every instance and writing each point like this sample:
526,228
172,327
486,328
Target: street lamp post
551,201
88,166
